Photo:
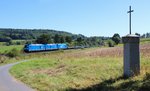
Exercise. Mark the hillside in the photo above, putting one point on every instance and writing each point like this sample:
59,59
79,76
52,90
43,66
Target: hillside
29,33
23,36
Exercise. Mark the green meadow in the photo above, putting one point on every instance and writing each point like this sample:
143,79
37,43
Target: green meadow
4,49
93,69
145,40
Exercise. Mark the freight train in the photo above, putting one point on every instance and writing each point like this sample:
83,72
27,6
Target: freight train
44,47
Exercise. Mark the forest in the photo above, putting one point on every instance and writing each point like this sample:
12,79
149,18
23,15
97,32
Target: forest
48,36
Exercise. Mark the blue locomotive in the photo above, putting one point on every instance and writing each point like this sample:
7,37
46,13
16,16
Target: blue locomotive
43,47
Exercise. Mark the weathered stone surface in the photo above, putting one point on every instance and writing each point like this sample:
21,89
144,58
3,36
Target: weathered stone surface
131,55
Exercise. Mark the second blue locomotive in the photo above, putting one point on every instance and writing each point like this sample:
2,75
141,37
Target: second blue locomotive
44,47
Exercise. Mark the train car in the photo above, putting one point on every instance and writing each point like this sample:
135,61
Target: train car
44,47
51,47
62,46
34,47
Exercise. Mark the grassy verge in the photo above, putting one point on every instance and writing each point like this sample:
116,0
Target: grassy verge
78,70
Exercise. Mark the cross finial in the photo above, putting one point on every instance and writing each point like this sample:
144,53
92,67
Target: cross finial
130,11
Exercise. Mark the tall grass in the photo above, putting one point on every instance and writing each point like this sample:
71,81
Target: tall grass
144,40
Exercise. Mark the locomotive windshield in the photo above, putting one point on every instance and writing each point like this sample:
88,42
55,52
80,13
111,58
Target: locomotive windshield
26,46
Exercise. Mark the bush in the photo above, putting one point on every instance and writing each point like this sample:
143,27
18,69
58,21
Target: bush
13,53
2,59
111,43
18,43
116,38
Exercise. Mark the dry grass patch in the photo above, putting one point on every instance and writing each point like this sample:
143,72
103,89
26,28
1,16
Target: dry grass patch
50,72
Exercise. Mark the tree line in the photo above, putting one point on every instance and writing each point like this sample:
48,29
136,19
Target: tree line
146,35
71,40
80,40
47,36
44,36
26,34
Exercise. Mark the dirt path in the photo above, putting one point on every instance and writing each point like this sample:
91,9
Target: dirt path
8,83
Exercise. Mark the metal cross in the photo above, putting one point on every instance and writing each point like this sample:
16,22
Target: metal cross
130,11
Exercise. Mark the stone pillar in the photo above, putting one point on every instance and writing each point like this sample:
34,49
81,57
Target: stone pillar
131,55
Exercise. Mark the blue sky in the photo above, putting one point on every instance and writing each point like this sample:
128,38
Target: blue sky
87,17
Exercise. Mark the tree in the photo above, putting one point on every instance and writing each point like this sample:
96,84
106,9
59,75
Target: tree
57,38
62,39
5,39
143,36
79,40
68,39
110,43
44,39
147,35
116,38
137,34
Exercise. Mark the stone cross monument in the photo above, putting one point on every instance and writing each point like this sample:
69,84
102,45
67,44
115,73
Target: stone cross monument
130,11
131,52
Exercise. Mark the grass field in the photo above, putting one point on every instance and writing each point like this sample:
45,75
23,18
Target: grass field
145,40
94,69
18,40
2,43
8,48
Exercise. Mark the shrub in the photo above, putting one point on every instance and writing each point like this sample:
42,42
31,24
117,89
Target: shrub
13,53
2,59
116,38
18,43
111,43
